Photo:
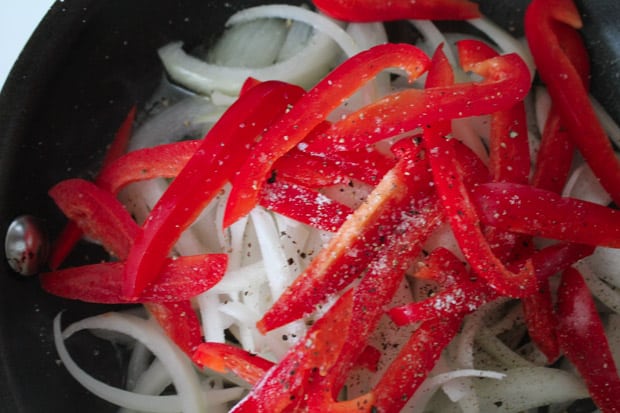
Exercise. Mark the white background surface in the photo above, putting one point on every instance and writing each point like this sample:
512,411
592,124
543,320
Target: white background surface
18,19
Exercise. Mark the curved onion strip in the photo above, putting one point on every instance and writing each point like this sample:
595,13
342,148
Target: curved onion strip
319,22
423,395
583,184
433,38
187,117
605,263
203,77
599,288
304,68
505,41
190,398
608,123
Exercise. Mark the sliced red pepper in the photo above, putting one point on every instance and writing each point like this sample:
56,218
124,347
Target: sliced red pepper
222,357
528,210
385,273
310,112
71,234
556,147
378,10
284,385
466,293
413,364
304,205
509,152
180,322
97,213
357,241
567,89
583,340
465,222
161,161
222,152
507,81
166,161
443,267
180,279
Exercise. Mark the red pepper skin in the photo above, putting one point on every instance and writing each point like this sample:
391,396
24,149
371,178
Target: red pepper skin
567,89
310,111
556,147
507,79
463,293
509,153
71,234
167,160
180,322
284,385
97,213
304,205
221,357
161,161
528,210
583,340
357,241
377,10
180,279
465,222
223,150
378,286
413,363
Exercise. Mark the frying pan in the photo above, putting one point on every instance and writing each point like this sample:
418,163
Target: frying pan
85,65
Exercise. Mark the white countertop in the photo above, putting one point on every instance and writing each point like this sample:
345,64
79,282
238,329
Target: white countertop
17,21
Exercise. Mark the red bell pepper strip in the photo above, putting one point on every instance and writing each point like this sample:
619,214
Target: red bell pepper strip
221,357
161,161
180,279
167,160
180,323
71,234
97,213
567,89
376,289
507,81
528,210
357,241
318,350
467,293
509,153
465,222
414,362
223,150
310,111
304,205
443,267
583,340
556,148
377,10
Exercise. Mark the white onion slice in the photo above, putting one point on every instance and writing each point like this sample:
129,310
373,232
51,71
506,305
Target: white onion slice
190,398
423,395
305,68
317,21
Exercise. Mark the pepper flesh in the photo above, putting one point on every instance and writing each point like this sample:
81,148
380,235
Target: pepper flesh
223,150
568,91
320,101
583,340
379,10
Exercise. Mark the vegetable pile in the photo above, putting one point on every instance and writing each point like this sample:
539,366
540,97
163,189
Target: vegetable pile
366,232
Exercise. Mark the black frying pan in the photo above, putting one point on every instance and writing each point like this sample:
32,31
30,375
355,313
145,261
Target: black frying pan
86,64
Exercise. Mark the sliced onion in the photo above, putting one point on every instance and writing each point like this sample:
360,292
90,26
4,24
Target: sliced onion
317,21
189,398
422,396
